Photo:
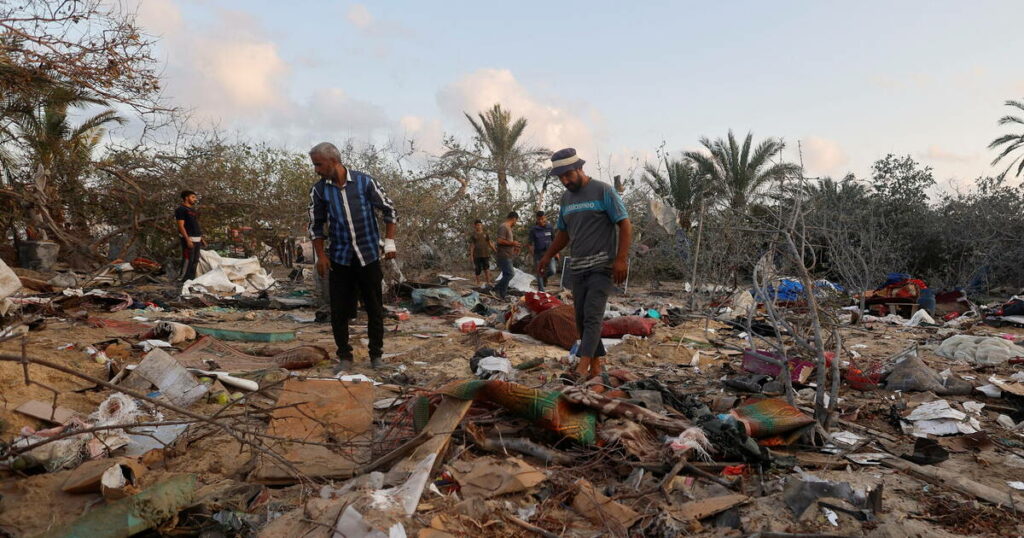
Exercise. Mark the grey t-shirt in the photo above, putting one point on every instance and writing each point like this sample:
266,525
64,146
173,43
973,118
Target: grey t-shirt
590,217
505,252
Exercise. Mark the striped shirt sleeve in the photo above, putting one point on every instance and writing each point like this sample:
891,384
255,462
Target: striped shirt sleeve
379,199
317,213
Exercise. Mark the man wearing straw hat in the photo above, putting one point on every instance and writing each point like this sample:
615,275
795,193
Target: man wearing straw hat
593,221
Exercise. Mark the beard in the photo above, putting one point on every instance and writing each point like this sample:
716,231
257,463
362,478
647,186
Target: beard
573,187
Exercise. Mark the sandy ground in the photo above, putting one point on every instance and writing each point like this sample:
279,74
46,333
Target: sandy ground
427,351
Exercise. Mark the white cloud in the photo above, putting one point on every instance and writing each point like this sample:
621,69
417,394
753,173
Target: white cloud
936,153
222,71
823,156
334,110
159,17
359,16
249,73
549,126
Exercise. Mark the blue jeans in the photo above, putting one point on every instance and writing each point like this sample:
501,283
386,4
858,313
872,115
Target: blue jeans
507,272
542,278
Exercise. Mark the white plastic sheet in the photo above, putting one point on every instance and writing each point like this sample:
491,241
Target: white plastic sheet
9,283
217,274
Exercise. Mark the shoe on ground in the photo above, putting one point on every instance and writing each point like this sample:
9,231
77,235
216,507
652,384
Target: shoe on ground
344,365
376,363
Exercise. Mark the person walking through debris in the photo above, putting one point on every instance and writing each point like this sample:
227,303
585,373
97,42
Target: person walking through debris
191,235
594,223
540,240
480,248
346,200
507,249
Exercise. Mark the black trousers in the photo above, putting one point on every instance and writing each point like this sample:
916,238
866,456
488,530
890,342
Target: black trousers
349,283
189,260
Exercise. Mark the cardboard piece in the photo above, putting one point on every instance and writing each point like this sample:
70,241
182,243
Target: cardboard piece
603,511
86,477
172,379
489,477
707,507
321,410
46,412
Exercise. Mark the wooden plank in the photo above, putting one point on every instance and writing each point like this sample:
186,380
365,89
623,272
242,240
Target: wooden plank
242,335
324,411
442,424
707,507
954,481
46,412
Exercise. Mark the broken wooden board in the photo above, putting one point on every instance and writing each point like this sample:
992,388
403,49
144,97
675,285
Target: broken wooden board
707,507
46,412
319,410
954,481
445,419
242,335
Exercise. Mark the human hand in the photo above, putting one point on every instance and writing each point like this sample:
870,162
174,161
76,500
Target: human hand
390,255
189,243
323,266
542,265
619,271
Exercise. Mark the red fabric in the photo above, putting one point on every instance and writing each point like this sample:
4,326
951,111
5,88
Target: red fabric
634,325
556,326
538,302
734,470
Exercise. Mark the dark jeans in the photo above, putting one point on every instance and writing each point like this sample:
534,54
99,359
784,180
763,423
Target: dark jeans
189,260
590,292
346,282
507,272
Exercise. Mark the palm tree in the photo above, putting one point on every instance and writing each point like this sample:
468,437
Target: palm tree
828,192
500,134
681,186
63,150
738,172
1012,142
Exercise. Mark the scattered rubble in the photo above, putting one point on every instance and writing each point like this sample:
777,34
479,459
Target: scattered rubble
213,409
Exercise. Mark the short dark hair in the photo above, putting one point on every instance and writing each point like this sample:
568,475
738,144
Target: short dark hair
512,215
478,221
186,194
539,214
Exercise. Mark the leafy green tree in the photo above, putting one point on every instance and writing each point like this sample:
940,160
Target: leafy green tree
741,172
497,131
1011,142
901,181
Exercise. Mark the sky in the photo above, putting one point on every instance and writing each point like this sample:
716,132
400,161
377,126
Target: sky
843,84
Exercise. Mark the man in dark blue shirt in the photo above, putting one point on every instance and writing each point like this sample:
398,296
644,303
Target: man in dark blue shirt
347,201
540,240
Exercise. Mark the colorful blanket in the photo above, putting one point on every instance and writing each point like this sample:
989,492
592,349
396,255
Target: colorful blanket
770,417
547,409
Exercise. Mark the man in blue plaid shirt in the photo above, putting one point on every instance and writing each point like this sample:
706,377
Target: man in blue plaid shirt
347,202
